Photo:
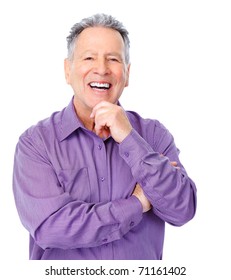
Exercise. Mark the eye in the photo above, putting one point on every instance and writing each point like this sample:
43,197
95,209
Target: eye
88,58
113,59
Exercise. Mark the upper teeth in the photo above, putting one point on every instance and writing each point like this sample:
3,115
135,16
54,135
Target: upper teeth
103,85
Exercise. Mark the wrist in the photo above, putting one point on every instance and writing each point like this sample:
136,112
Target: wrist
123,135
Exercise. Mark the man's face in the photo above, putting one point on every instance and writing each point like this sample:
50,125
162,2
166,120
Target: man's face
98,71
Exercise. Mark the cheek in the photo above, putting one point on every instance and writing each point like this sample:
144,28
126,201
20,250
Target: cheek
77,75
82,73
121,76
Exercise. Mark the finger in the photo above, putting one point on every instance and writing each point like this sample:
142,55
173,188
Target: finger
174,164
102,130
100,105
103,133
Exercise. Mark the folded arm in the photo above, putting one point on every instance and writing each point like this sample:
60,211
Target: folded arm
56,220
167,187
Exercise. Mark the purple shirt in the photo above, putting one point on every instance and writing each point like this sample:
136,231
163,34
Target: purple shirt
73,189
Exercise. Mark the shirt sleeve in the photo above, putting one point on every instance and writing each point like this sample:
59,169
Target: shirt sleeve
169,189
56,220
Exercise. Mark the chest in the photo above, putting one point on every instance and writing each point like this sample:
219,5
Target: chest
91,169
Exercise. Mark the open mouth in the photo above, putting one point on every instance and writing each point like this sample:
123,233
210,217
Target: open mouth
100,86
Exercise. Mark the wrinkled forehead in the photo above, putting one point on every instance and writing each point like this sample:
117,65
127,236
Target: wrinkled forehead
100,38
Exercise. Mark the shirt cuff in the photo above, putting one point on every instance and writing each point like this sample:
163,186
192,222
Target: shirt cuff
133,148
131,213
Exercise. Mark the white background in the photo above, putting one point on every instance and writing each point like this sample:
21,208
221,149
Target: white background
180,75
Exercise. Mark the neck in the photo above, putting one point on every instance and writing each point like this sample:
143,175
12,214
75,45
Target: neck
84,115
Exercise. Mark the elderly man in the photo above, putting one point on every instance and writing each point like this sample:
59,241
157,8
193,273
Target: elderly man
94,181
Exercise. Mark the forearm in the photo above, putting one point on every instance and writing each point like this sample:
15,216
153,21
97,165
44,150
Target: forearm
79,225
170,191
59,221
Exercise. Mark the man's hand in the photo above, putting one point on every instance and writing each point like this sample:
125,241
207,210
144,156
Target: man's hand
138,192
111,119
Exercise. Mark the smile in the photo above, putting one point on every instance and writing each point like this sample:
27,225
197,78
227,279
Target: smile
100,86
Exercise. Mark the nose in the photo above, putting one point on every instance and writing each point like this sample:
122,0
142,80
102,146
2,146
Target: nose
101,67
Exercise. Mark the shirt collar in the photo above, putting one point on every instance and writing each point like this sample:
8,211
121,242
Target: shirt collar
69,121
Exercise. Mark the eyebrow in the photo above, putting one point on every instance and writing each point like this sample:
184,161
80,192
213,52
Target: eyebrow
114,54
107,54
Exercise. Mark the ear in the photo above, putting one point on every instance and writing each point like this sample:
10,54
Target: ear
128,74
67,67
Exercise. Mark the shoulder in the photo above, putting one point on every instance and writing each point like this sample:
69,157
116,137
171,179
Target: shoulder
47,128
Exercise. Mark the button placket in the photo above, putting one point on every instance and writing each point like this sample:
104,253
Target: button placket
102,169
102,179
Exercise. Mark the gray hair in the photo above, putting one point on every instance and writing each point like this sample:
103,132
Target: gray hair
102,20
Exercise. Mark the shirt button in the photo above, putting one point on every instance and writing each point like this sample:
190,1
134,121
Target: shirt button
99,146
143,183
102,179
132,224
126,154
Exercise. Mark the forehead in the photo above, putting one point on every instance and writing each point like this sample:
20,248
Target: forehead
100,37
